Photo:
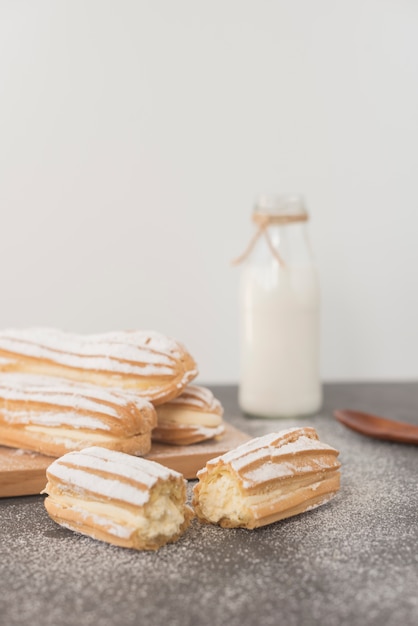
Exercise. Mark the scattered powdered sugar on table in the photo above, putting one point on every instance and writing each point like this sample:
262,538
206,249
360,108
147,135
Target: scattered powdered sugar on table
326,567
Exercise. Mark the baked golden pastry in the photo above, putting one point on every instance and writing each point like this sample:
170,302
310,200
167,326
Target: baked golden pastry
153,366
267,479
117,498
54,416
195,415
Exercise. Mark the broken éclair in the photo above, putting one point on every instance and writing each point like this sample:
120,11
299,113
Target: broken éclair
117,498
267,479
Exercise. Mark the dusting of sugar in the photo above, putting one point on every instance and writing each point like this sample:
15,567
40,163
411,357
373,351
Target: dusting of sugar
79,471
21,452
139,353
82,460
65,393
52,418
256,444
47,402
139,464
65,399
268,471
269,458
82,482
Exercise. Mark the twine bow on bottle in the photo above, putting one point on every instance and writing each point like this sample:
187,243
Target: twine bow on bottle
263,221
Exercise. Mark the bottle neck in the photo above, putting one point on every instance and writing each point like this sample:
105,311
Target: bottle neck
280,236
291,241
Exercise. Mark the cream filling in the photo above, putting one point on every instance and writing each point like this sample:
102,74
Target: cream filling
163,517
221,497
174,415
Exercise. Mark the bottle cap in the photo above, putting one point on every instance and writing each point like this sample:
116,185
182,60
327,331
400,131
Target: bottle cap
280,204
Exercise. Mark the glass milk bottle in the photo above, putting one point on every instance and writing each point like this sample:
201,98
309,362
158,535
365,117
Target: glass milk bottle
279,314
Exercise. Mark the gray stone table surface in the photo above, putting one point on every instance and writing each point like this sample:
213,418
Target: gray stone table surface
352,561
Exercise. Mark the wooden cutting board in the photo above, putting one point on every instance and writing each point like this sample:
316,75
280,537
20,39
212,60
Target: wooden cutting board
22,473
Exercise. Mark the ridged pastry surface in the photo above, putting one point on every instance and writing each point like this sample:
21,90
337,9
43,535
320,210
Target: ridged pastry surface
118,498
151,364
194,416
267,479
53,416
199,399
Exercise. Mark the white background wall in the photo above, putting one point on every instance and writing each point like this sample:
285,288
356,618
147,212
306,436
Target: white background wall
134,136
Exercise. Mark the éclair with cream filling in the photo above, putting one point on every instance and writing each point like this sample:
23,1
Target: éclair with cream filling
267,479
117,498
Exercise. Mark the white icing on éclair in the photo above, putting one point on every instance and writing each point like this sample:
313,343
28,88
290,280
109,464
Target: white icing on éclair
259,444
137,463
54,395
266,458
138,352
50,390
79,471
303,444
272,471
81,481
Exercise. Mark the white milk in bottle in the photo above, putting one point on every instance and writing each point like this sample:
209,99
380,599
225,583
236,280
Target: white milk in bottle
279,314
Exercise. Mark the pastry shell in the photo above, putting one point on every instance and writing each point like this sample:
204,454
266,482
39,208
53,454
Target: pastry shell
152,365
194,416
117,498
54,416
267,479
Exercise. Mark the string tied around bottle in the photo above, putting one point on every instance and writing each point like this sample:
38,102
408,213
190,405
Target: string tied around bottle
263,221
